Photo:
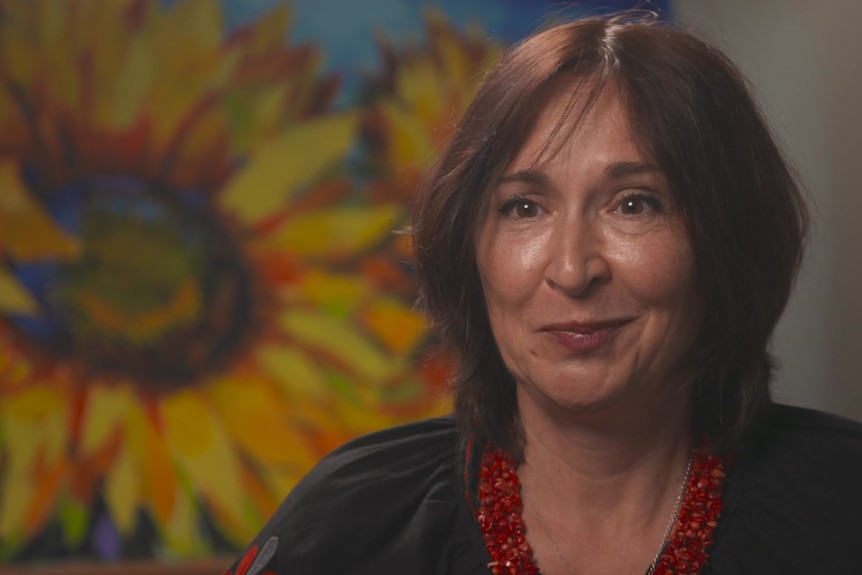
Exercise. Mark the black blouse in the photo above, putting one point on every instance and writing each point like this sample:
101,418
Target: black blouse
394,502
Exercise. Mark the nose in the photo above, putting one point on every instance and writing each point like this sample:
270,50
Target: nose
577,263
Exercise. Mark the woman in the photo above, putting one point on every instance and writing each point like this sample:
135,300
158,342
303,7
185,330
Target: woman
605,245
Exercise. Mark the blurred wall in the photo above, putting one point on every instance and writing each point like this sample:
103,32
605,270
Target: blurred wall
804,60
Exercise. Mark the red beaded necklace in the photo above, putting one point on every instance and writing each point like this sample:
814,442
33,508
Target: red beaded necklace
500,508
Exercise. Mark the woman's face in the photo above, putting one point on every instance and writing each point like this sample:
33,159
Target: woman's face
586,267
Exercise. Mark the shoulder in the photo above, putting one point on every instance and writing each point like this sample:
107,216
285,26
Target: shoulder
390,498
793,496
810,422
787,435
408,447
388,468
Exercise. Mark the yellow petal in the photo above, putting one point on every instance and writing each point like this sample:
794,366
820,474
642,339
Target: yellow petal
193,25
238,532
354,418
34,425
175,107
201,448
338,340
19,54
279,482
267,32
294,373
421,86
394,322
181,532
14,298
337,232
26,230
338,294
122,489
36,415
455,62
22,443
259,421
184,44
282,168
411,145
261,500
109,40
66,81
120,108
106,410
461,64
16,494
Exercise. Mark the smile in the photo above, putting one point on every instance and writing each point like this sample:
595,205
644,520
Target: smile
584,337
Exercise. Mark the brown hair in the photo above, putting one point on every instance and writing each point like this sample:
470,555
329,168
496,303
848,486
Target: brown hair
694,116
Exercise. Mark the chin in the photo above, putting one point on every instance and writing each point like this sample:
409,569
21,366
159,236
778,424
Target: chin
571,401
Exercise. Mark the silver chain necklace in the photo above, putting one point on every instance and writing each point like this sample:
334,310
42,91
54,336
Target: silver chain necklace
667,530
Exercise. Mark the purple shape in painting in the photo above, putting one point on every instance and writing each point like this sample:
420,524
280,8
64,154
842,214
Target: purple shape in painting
106,539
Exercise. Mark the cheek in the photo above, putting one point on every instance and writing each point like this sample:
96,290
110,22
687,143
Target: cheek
658,270
510,268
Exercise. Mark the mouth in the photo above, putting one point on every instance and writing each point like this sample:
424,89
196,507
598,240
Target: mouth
585,336
585,327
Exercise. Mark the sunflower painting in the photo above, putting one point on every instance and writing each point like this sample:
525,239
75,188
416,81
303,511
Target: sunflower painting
202,287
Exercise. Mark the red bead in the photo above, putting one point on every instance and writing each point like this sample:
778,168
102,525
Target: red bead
499,516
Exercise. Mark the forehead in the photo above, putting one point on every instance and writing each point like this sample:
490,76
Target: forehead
577,116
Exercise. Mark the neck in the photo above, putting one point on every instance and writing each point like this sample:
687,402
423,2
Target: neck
606,443
601,476
617,467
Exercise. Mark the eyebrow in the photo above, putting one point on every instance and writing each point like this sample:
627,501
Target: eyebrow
526,177
617,170
623,169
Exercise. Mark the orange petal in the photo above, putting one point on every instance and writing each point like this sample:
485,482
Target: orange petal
46,489
395,323
159,482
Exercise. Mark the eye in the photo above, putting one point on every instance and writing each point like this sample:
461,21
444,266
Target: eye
638,204
520,207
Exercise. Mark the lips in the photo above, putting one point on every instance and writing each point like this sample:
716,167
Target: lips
584,327
581,337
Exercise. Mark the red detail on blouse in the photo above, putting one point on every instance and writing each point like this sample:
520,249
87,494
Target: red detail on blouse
246,562
500,516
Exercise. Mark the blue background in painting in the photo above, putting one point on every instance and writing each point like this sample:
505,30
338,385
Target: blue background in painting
345,30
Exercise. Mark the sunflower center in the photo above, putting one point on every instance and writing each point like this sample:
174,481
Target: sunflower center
159,294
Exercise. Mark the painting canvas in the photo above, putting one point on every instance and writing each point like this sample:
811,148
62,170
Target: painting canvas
204,281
